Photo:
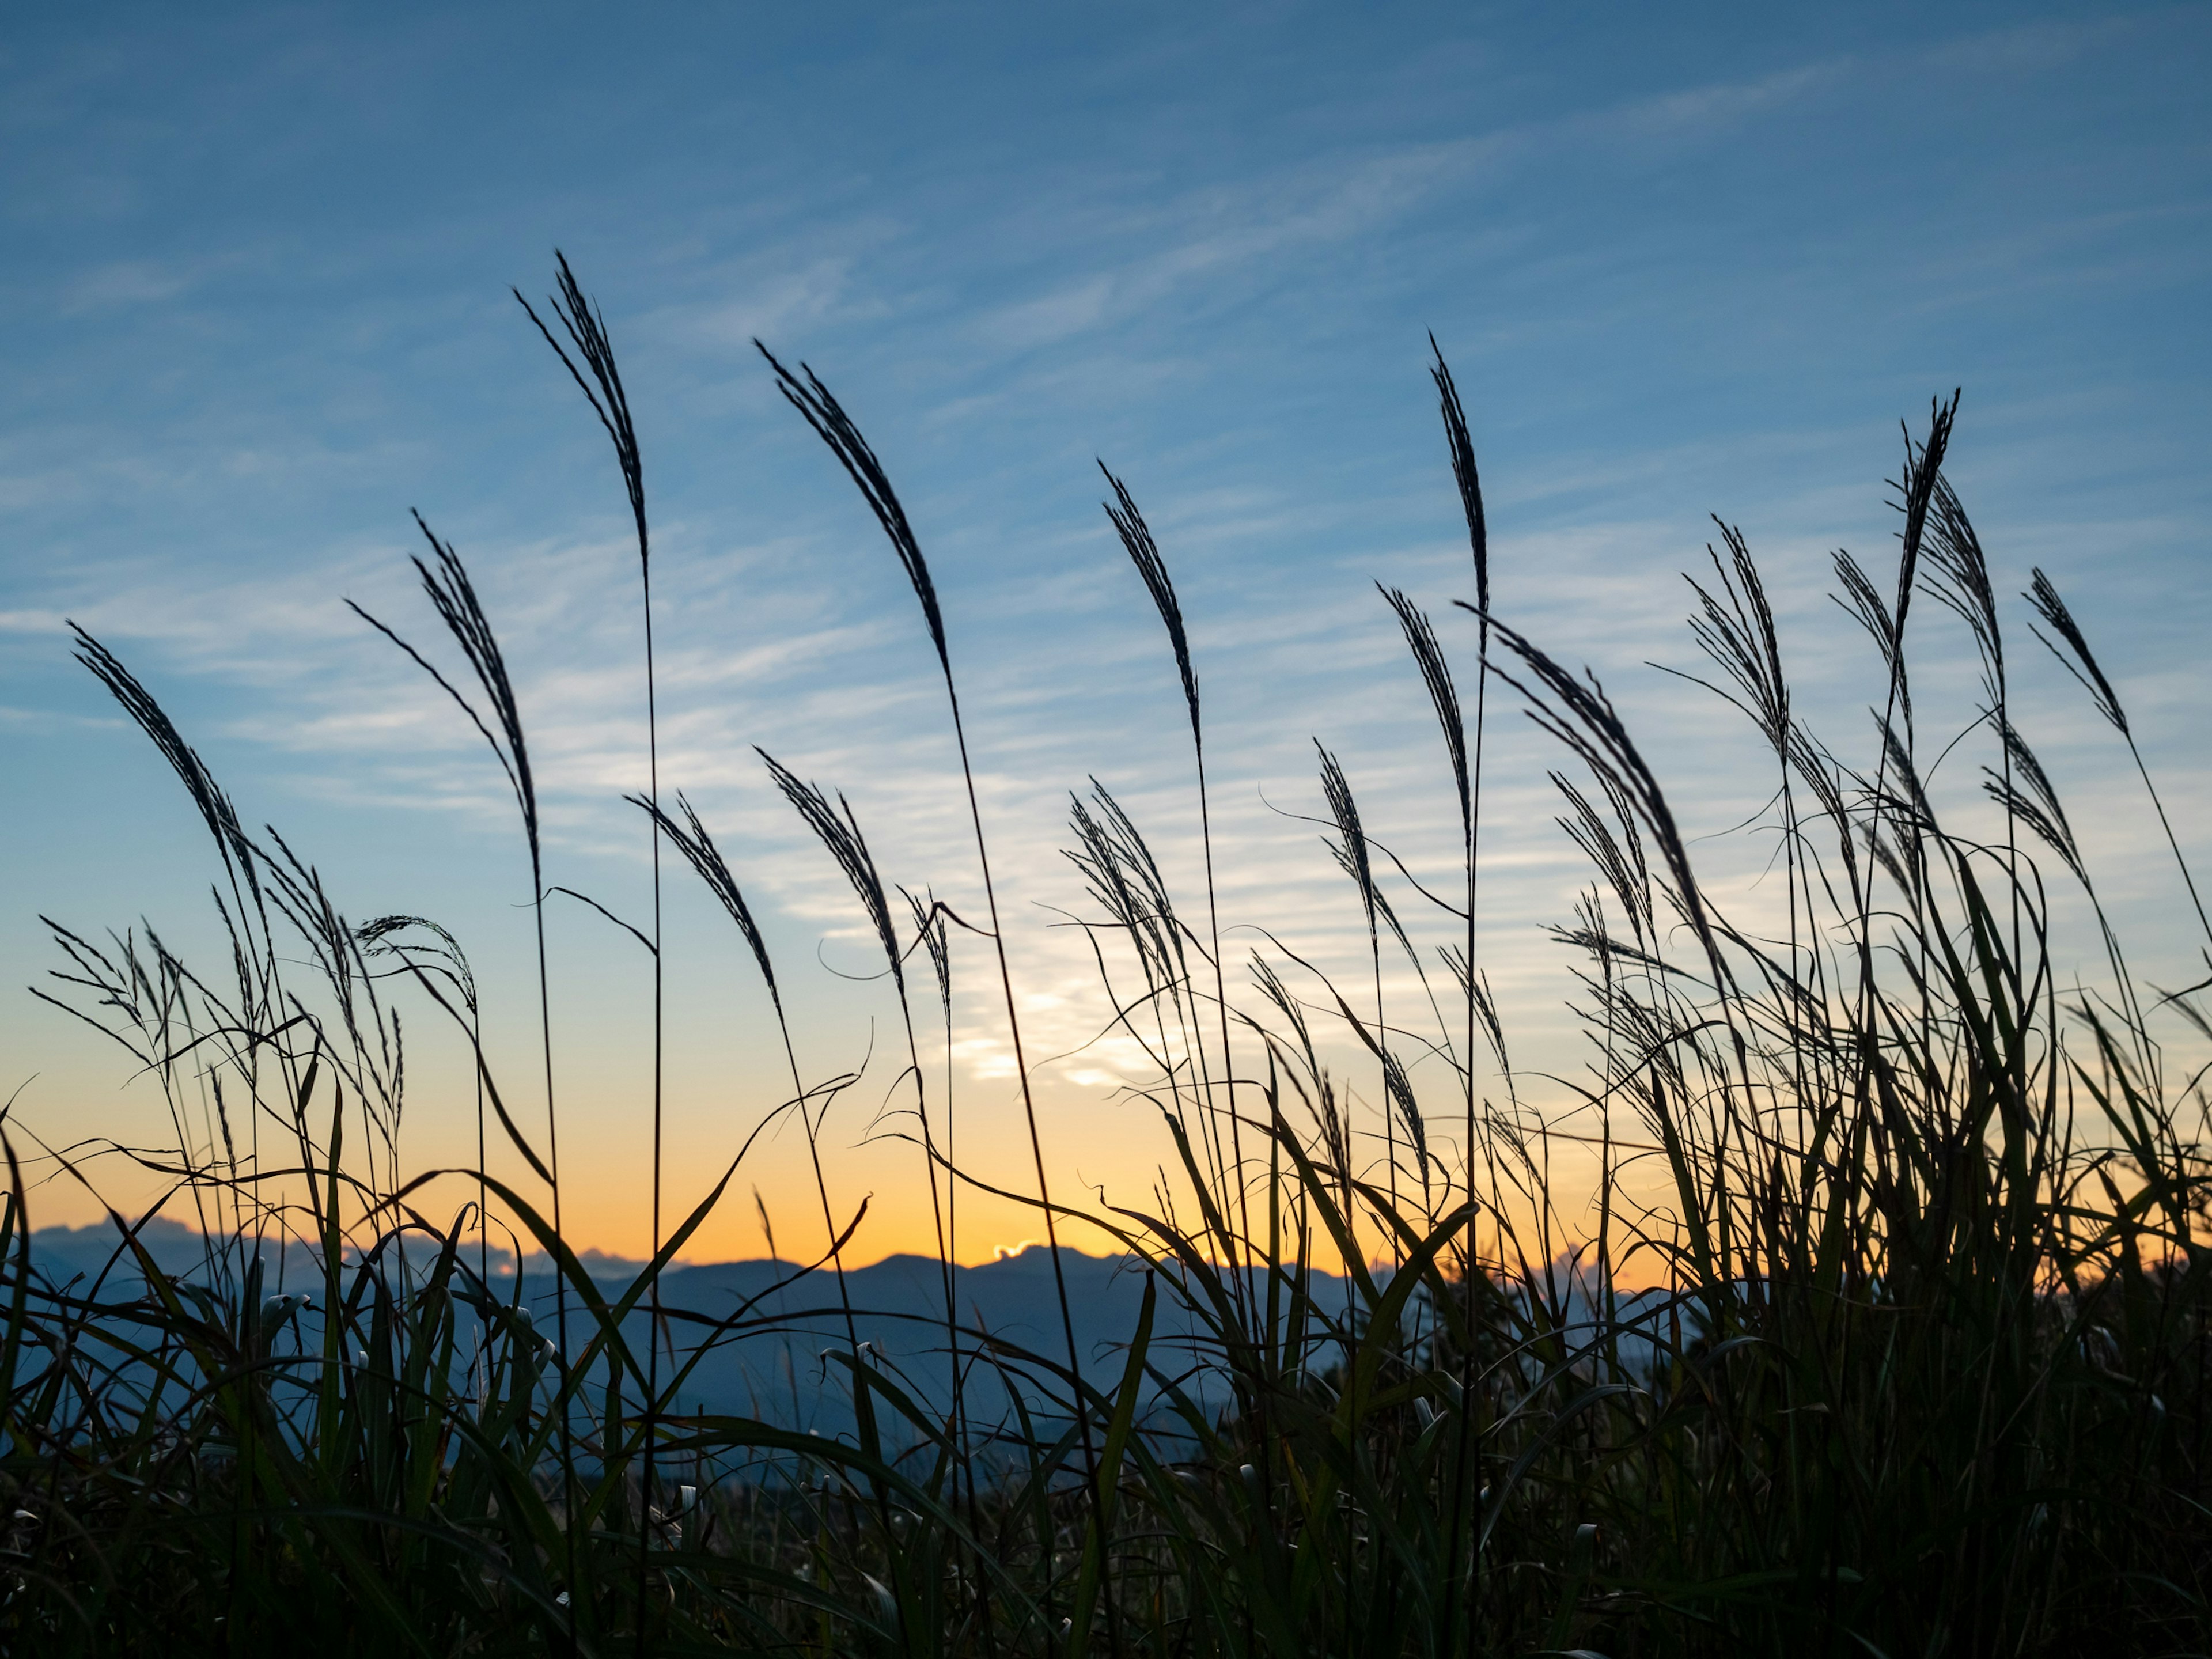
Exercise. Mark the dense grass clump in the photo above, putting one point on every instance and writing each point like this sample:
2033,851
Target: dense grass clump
1925,1374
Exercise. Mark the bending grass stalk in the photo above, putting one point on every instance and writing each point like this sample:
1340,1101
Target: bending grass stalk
822,412
839,830
1349,850
932,934
2043,594
699,850
1469,478
586,331
453,597
1144,552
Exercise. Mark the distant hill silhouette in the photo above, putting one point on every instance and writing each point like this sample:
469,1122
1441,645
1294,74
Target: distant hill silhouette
776,1368
777,1363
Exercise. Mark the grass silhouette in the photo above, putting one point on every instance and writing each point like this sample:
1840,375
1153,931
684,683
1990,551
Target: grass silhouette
1926,1373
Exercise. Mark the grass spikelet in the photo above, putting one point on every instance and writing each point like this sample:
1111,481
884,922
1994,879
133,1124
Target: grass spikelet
1464,473
1444,694
1350,848
586,328
834,427
453,597
839,830
699,851
1144,554
215,806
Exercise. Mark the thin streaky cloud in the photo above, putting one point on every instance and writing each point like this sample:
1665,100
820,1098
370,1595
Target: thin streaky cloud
1677,267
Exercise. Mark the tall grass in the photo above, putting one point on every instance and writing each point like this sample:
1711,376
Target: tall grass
1922,1196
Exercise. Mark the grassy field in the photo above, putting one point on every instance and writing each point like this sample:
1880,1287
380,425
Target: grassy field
1926,1376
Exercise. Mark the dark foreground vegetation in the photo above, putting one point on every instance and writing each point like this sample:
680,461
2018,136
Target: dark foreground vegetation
1925,1184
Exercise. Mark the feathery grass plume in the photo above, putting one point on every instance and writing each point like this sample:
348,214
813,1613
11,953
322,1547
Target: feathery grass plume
454,596
1821,772
1885,620
2025,791
238,853
1862,601
1385,912
930,931
1735,627
822,410
585,327
1119,874
1958,577
1272,986
2080,662
1576,711
254,960
2037,805
1398,1097
1464,472
1338,1163
296,890
1486,1004
1618,858
1350,846
1122,875
1908,792
839,830
381,937
1145,553
1113,879
699,850
1444,694
1924,470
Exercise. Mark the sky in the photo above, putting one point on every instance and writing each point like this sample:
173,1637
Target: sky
1683,261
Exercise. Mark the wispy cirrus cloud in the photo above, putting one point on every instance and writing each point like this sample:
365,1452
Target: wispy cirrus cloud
1677,267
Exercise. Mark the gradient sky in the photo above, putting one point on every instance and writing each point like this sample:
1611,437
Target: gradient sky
1684,260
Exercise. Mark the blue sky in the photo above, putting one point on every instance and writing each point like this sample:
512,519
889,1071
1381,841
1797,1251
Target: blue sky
1683,260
